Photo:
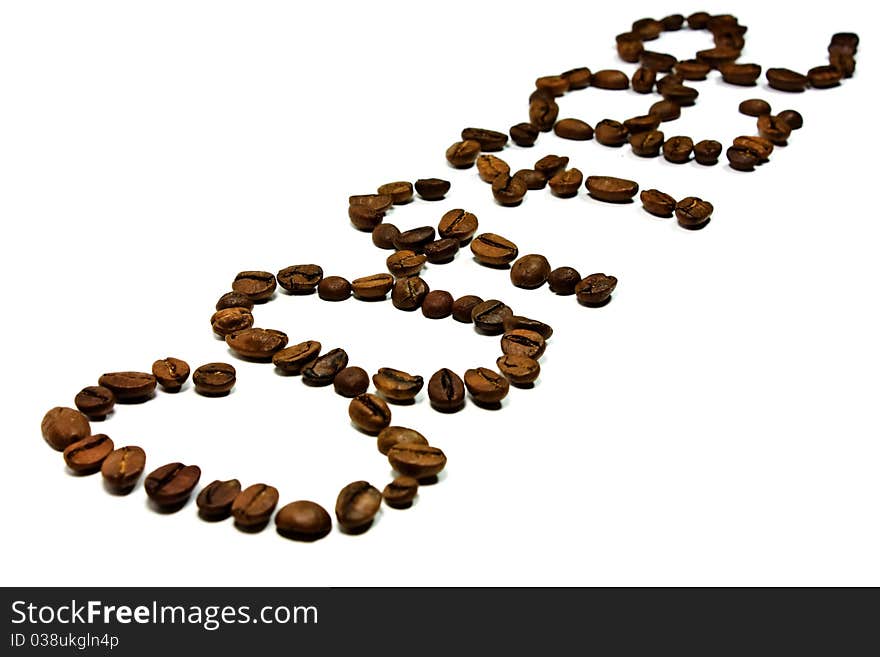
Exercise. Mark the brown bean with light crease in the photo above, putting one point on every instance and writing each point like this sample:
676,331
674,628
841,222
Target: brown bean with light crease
405,263
595,290
214,379
519,370
522,342
489,316
129,386
357,505
401,191
255,285
462,307
643,80
486,386
415,460
773,128
85,456
409,293
391,436
369,413
693,212
543,113
300,279
254,505
610,79
397,385
647,144
573,129
707,151
458,224
256,343
611,133
322,370
383,237
533,179
566,184
490,167
372,288
489,140
513,322
291,360
760,147
562,280
95,401
215,500
234,300
434,189
172,484
494,250
463,154
334,288
657,203
611,189
446,391
508,191
401,492
171,373
524,134
230,320
122,468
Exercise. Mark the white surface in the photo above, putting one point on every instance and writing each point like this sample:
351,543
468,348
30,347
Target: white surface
715,424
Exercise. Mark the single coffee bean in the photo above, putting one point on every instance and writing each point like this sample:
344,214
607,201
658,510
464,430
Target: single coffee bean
693,212
300,279
486,386
647,28
441,251
462,307
397,385
610,79
629,47
563,279
171,373
409,293
760,147
680,94
543,113
214,379
391,436
372,288
566,184
322,370
611,133
215,500
643,80
784,79
595,290
842,61
446,391
678,149
692,69
850,39
489,140
707,151
129,386
754,107
357,505
234,300
255,285
533,179
401,192
405,263
658,61
823,77
519,370
458,224
85,456
530,271
578,78
516,322
257,343
415,239
742,159
334,288
643,123
647,144
508,191
550,165
489,316
555,85
292,360
172,484
698,20
303,521
522,342
463,154
773,128
254,505
376,201
745,75
401,492
490,167
719,56
230,320
672,23
573,129
524,134
369,413
793,118
417,461
493,250
437,304
95,401
383,236
351,382
434,189
611,189
122,468
657,203
667,110
365,218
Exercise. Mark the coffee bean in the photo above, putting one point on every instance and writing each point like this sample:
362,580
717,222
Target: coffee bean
647,28
578,78
409,293
611,133
657,203
458,224
462,307
533,179
842,61
234,300
351,382
667,110
741,158
740,74
566,184
773,128
334,288
629,47
376,201
488,316
401,192
372,288
417,461
463,154
369,413
254,505
489,140
785,79
563,279
647,144
171,373
543,113
550,165
658,61
672,23
693,212
719,56
303,521
172,484
678,149
508,191
122,468
850,39
396,385
215,500
524,134
595,290
356,506
365,218
129,386
230,320
405,263
610,79
530,271
214,379
493,250
391,436
292,360
754,107
706,152
793,118
399,494
519,370
486,386
823,77
522,342
573,129
555,85
611,189
255,285
446,391
322,370
383,236
644,123
643,80
85,456
300,279
490,167
515,322
760,147
415,239
441,251
668,81
692,69
95,401
680,94
437,304
256,343
434,189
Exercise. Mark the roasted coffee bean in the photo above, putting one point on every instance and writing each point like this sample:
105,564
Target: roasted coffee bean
256,343
397,385
254,505
563,279
533,179
372,288
462,307
595,290
647,28
369,413
667,110
692,69
643,80
678,149
508,191
669,80
493,250
300,279
365,218
657,203
463,154
415,239
793,118
85,456
550,165
773,128
486,386
401,192
391,436
303,521
129,386
741,158
489,140
172,484
823,77
693,212
171,373
401,492
122,468
566,184
658,61
405,263
458,224
383,236
543,113
745,75
707,151
698,20
531,271
488,316
610,79
524,134
611,133
490,167
754,107
578,78
519,370
522,342
629,47
446,391
574,129
672,23
334,288
418,461
357,505
719,56
611,189
760,147
292,360
95,401
234,300
351,382
214,379
843,62
518,322
680,94
785,79
255,285
376,201
555,85
644,123
647,144
434,189
849,39
215,500
437,304
322,370
230,320
409,293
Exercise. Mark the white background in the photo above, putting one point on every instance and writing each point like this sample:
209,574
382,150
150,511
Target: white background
715,424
